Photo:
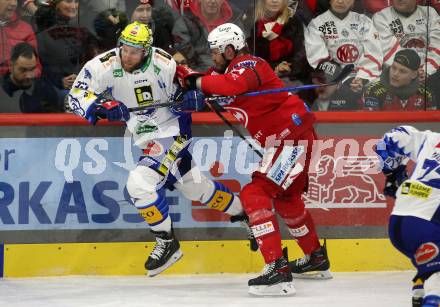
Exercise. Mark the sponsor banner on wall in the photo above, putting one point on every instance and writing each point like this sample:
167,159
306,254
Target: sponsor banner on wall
79,183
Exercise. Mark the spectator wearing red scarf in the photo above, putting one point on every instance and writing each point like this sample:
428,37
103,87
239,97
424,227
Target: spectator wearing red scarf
279,37
191,30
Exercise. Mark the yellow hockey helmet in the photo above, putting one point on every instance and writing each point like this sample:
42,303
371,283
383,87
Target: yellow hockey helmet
137,35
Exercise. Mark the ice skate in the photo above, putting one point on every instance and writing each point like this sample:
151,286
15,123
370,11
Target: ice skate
417,301
418,292
244,221
275,280
165,253
313,266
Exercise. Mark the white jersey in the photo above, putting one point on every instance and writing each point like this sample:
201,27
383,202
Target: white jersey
352,40
418,196
150,84
398,31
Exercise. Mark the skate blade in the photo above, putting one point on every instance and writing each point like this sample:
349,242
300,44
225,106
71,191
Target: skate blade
173,259
281,289
314,275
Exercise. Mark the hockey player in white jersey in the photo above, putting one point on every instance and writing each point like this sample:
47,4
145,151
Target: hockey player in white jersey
414,226
136,74
340,37
408,25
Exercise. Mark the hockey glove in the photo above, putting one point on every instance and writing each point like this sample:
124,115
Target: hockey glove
113,110
193,101
187,77
394,179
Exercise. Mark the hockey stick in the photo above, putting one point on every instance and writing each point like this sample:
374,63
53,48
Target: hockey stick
214,106
154,106
343,74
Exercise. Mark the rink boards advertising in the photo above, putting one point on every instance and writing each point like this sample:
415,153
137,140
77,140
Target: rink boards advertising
63,195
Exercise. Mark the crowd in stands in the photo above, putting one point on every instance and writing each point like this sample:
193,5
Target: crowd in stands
394,45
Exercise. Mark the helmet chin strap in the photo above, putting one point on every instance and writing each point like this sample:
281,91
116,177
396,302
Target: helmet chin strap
227,62
147,52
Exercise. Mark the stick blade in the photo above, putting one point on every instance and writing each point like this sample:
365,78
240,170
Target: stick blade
344,73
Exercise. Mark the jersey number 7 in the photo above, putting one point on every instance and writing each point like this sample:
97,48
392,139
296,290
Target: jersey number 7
430,166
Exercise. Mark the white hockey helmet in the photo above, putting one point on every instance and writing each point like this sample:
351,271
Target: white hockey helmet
226,34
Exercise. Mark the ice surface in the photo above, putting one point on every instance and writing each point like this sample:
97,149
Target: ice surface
387,289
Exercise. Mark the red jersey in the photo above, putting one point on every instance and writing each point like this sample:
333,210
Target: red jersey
278,115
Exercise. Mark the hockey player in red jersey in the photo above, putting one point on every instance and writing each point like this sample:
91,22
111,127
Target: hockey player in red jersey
283,125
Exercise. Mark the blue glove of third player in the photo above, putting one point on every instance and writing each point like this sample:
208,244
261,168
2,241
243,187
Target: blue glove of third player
113,110
193,100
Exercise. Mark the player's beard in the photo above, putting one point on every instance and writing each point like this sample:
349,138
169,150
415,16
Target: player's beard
131,68
23,84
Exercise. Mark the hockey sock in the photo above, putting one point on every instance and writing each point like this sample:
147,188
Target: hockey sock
303,231
265,227
222,199
154,209
165,225
299,222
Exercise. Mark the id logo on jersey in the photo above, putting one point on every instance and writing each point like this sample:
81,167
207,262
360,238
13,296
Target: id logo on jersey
144,95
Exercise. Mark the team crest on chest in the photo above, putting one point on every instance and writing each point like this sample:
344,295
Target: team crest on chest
239,114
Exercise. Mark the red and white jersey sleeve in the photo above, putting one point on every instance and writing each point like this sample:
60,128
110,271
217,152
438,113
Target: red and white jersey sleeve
352,40
276,114
419,31
239,78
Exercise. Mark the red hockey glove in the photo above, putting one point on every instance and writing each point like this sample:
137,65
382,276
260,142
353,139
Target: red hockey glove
187,77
